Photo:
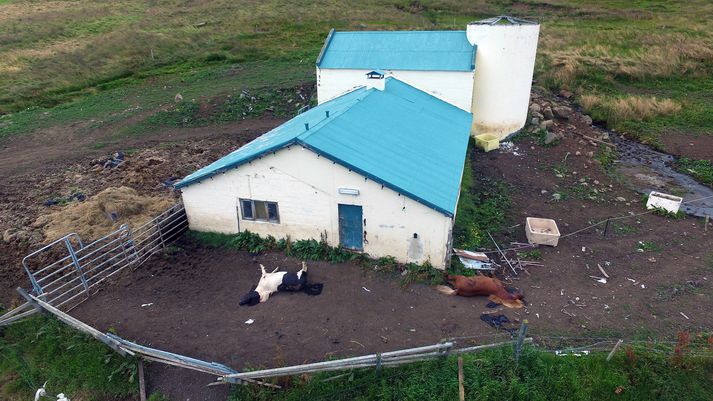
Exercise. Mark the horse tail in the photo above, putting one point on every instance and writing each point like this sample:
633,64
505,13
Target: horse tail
443,289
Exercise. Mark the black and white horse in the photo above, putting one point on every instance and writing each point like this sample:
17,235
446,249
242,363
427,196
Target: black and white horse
279,281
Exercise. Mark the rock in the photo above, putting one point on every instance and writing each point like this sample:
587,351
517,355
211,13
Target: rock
547,124
551,137
535,108
556,196
577,153
587,120
562,112
604,136
565,93
621,199
178,98
41,221
535,121
538,115
590,154
547,112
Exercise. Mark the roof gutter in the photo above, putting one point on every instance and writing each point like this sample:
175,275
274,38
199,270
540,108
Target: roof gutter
325,46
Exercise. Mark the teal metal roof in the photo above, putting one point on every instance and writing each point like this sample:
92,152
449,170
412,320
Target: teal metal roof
398,50
401,137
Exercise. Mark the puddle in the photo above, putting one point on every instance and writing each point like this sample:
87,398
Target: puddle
647,170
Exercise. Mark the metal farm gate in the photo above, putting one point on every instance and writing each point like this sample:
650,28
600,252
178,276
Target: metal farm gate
67,271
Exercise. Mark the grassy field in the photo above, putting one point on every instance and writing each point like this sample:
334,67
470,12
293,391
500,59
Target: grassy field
643,67
635,374
77,365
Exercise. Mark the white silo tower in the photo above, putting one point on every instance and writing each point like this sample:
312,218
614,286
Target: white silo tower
504,64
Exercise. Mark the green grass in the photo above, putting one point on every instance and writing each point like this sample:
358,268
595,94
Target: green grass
492,375
57,55
482,207
320,250
139,107
701,170
40,349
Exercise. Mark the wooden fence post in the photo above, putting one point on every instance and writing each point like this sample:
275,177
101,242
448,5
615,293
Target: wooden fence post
613,350
461,389
142,381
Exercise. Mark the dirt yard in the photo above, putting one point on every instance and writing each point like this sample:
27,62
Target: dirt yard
660,268
194,311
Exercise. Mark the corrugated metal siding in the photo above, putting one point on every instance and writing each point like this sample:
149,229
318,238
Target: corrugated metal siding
401,137
399,50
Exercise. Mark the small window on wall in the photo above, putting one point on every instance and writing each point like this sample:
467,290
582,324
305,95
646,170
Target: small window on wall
259,210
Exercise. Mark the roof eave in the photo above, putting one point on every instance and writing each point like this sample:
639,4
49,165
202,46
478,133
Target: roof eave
184,183
325,46
448,213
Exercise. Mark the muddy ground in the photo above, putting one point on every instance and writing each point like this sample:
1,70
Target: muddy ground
194,293
33,173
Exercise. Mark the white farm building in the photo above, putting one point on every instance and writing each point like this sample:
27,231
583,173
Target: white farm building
376,166
486,69
374,170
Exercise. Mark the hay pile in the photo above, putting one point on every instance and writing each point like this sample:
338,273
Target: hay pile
104,212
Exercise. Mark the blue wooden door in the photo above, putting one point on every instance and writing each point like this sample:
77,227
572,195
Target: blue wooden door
351,234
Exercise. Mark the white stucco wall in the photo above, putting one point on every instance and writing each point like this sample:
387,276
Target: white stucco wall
305,186
505,62
454,87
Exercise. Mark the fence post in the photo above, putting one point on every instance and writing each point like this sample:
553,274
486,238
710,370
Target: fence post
142,380
461,389
520,339
77,265
613,350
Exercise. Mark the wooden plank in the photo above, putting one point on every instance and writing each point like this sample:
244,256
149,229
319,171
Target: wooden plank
461,389
142,381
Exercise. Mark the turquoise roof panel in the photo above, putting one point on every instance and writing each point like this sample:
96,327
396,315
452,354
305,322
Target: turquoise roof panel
401,137
398,50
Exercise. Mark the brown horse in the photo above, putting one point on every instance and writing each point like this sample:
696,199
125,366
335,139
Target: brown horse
482,285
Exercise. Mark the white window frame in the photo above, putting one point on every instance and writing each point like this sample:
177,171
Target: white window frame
266,204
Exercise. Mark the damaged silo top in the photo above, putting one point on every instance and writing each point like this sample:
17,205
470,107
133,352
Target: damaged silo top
504,20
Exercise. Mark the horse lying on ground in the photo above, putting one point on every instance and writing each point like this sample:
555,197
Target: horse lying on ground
482,285
280,281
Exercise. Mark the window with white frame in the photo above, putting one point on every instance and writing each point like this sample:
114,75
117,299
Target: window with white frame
259,210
